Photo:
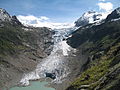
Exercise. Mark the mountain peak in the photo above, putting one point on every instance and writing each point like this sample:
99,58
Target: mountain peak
89,12
4,15
89,17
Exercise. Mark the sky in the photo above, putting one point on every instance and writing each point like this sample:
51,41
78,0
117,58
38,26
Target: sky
60,11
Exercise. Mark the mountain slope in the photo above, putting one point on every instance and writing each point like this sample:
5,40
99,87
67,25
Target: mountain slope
21,48
101,45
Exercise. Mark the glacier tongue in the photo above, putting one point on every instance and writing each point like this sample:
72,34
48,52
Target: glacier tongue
53,66
65,48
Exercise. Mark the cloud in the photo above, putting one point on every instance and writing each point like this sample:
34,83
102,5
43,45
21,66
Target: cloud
108,6
30,18
102,0
42,21
44,18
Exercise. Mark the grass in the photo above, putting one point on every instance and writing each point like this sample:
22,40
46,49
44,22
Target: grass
95,73
98,68
10,39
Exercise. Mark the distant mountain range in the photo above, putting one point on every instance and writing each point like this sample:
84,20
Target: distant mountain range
87,18
91,17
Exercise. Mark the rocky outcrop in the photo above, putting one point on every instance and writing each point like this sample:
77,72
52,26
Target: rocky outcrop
21,48
15,21
114,15
4,16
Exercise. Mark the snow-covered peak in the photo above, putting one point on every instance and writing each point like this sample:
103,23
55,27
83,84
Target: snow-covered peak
4,16
90,17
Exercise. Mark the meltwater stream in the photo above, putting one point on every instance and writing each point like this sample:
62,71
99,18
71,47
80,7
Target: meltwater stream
54,65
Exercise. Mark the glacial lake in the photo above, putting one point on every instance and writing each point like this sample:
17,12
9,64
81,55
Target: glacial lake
34,85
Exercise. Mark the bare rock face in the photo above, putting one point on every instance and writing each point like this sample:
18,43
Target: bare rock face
4,16
114,15
15,20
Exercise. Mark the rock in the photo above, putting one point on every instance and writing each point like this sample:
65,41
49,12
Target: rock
111,80
115,61
51,75
4,16
114,15
84,87
16,21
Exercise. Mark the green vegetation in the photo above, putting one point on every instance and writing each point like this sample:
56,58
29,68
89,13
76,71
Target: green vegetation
10,39
96,71
102,43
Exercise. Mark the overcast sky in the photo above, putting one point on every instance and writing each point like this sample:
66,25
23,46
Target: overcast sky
57,10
